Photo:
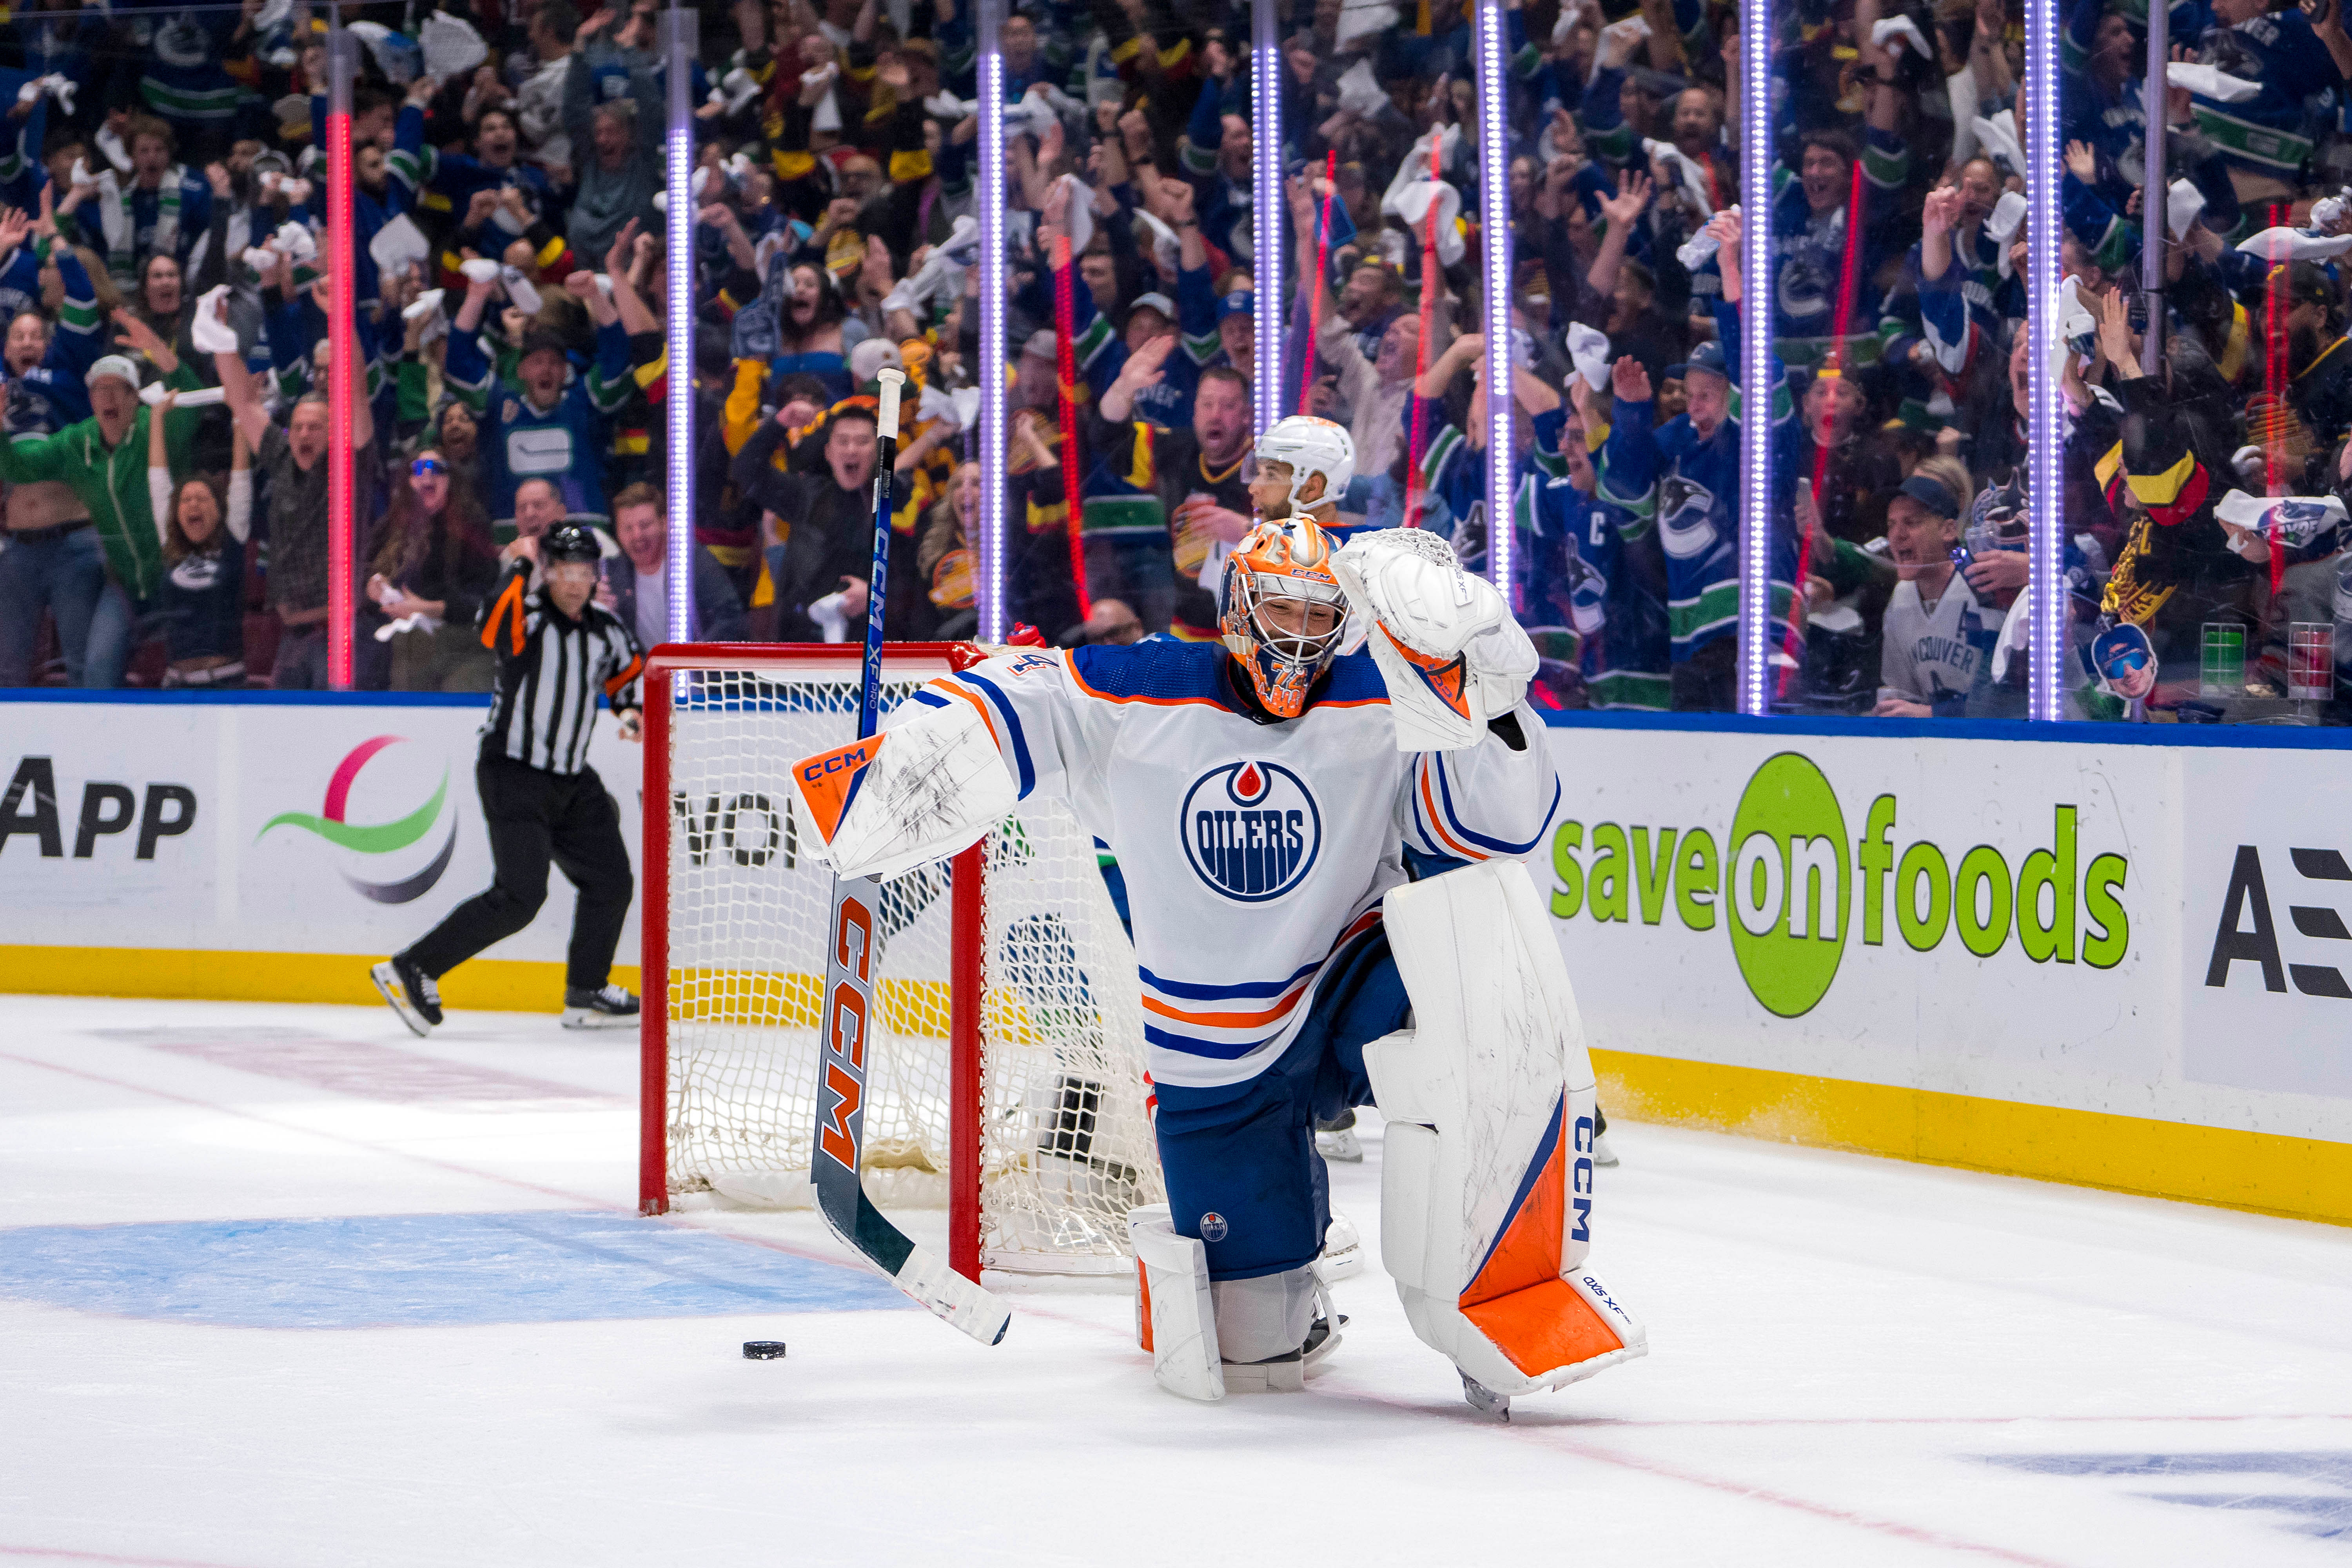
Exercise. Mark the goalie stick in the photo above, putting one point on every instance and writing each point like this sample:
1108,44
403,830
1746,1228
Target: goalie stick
849,1012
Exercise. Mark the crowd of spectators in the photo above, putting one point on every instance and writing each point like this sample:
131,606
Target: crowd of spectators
164,186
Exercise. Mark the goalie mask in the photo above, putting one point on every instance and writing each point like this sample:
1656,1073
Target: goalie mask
1311,446
1279,573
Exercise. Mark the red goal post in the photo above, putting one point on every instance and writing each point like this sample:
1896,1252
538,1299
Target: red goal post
1007,1078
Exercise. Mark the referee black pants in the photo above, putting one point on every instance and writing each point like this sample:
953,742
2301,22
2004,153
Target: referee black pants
535,817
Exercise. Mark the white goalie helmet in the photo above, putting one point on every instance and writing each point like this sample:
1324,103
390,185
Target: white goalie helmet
1310,446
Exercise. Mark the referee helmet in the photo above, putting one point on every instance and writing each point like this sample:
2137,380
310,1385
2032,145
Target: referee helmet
569,542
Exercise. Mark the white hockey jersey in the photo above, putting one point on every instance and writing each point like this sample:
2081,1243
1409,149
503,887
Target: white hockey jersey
1251,852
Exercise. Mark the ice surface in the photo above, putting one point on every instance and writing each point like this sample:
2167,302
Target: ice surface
284,1286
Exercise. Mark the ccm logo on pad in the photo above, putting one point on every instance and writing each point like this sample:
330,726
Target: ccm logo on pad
828,781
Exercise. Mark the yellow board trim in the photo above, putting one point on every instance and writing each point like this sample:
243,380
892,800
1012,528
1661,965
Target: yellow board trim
2301,1178
491,985
742,998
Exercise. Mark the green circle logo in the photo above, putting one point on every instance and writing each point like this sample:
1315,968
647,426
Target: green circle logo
1789,884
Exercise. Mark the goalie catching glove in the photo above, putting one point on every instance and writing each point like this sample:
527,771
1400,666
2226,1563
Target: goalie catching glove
917,792
1451,654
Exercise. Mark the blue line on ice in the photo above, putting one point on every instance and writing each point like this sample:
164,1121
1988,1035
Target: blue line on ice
411,1270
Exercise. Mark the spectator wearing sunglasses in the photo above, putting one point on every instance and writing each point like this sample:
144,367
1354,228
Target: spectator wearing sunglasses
433,569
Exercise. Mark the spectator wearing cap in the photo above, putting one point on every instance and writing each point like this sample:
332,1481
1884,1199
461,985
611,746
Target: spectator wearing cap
103,458
1034,475
637,587
2319,356
1937,635
293,458
1170,402
546,423
1238,333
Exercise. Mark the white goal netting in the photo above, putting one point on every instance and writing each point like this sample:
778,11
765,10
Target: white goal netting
1065,1147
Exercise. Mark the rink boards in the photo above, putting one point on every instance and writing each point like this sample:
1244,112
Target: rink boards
2124,964
2117,963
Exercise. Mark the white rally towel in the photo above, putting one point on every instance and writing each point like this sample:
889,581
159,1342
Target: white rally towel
2002,225
1905,29
398,245
1360,91
2208,81
2182,203
451,45
1416,200
2295,245
206,331
1998,137
1961,92
1415,166
2295,520
154,392
395,55
1632,30
1694,178
1589,347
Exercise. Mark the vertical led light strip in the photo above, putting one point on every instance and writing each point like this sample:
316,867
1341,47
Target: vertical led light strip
988,584
681,40
1265,203
2045,427
1495,242
2152,235
343,351
1756,161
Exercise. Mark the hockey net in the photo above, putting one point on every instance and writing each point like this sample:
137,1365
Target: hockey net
1005,1079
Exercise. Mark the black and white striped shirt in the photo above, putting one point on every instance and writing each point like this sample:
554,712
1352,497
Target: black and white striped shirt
549,672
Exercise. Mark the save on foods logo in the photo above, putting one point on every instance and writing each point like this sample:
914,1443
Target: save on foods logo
382,838
1791,882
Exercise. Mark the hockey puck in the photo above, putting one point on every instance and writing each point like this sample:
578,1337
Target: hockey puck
763,1349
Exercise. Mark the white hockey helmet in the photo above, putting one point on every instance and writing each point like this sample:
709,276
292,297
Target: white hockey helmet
1310,446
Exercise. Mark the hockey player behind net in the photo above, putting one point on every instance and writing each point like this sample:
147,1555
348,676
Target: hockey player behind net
1261,795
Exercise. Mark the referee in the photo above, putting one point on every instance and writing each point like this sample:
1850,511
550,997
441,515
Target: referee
542,801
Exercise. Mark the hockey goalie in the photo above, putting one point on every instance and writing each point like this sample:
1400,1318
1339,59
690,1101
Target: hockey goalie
1322,859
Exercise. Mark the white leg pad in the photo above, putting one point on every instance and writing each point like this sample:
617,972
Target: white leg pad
1264,1316
1486,1178
1175,1316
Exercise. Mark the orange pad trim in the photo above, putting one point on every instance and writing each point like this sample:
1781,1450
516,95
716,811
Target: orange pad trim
828,781
1544,1327
1527,1252
1445,677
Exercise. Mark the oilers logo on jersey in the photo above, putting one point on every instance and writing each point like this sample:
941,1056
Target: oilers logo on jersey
1251,829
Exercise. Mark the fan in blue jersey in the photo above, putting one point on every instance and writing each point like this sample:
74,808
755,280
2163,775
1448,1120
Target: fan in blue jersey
542,422
1810,273
1689,474
1610,586
163,211
2291,56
